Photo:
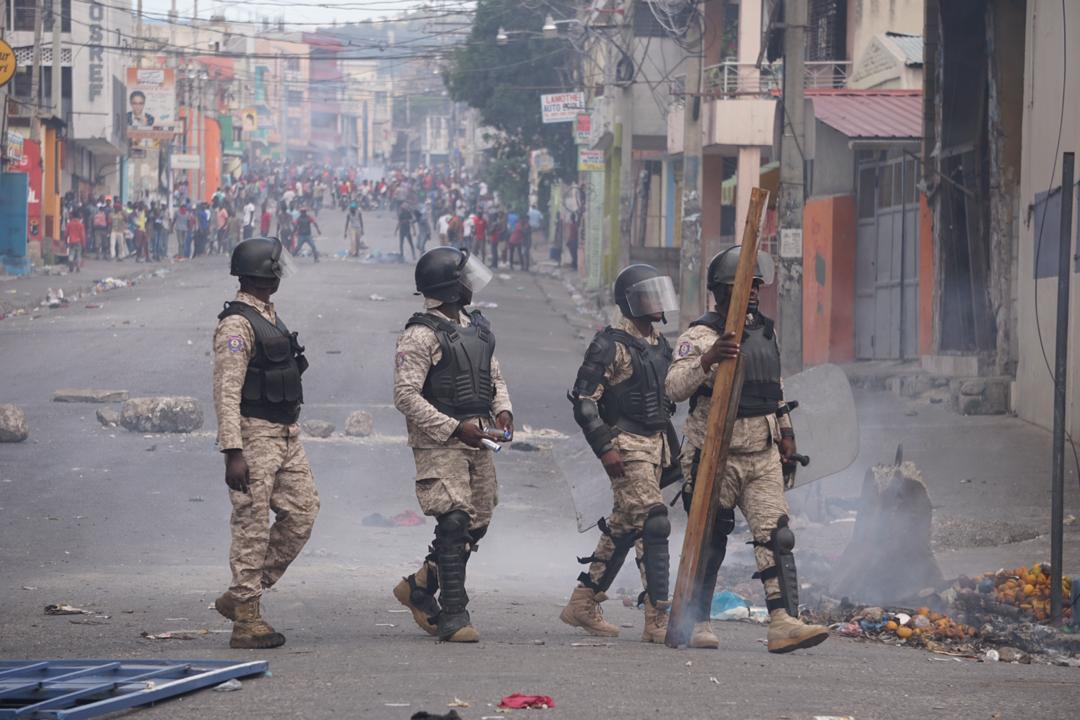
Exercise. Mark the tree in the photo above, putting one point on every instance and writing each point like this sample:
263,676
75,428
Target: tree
504,82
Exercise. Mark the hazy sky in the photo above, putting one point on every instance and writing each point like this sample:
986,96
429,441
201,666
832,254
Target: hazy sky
296,11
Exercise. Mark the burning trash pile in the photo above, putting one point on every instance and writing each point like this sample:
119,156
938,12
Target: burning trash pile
1021,593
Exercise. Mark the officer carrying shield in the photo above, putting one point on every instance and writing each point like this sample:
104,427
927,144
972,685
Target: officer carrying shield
761,439
619,403
258,364
449,386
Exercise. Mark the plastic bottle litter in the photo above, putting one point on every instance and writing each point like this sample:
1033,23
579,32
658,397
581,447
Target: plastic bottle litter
229,686
991,656
727,605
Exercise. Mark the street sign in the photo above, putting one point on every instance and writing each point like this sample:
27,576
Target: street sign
185,162
590,160
8,63
562,107
582,129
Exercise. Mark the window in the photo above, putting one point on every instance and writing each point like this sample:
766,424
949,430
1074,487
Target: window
292,64
294,127
294,97
22,17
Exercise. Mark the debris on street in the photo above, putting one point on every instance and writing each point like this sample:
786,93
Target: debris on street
407,518
359,424
164,414
13,427
65,609
317,428
231,685
518,701
89,395
458,703
109,417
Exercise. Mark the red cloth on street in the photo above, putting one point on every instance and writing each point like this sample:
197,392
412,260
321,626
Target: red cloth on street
517,701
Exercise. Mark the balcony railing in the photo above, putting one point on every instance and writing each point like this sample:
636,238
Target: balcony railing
732,79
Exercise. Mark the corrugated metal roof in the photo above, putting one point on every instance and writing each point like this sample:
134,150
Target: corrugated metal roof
870,113
910,45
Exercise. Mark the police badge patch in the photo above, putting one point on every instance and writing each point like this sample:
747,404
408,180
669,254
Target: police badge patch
399,359
684,349
235,343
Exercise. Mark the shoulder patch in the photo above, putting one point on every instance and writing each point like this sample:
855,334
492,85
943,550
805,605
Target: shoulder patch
235,343
684,348
399,359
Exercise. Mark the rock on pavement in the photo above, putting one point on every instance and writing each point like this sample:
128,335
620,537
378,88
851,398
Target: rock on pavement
162,414
318,428
13,426
108,417
359,424
89,395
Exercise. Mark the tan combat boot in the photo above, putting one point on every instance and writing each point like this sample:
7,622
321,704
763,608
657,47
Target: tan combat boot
584,611
787,633
414,592
656,620
226,605
704,637
250,631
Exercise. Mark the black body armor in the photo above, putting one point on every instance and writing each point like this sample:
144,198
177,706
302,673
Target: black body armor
761,391
460,384
272,388
638,404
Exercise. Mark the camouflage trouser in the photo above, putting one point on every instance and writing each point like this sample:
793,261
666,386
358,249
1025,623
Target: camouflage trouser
635,493
454,479
754,483
280,480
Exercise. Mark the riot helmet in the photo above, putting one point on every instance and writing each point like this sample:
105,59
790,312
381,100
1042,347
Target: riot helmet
262,257
640,291
450,275
722,268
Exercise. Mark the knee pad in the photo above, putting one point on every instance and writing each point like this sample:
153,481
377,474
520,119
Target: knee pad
783,538
478,534
657,525
723,525
453,525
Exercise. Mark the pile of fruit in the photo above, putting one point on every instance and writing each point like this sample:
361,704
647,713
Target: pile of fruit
1025,588
915,627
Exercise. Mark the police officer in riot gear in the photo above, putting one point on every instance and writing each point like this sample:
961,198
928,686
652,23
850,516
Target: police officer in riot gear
449,386
619,402
762,438
258,391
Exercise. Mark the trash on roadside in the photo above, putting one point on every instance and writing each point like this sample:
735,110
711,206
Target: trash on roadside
229,686
727,605
458,703
991,656
174,635
519,701
375,297
65,609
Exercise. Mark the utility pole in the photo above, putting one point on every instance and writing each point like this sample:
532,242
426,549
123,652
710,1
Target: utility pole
627,183
691,260
282,65
792,189
57,67
3,104
35,73
408,133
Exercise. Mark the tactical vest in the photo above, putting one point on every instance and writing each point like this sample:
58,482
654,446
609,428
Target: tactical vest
460,384
638,404
272,387
761,392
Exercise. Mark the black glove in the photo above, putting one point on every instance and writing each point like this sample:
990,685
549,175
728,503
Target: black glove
687,495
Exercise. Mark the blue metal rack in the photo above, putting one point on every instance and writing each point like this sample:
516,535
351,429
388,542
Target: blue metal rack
79,689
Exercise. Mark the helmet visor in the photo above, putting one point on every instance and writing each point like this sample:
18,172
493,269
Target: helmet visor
283,264
766,268
475,275
652,296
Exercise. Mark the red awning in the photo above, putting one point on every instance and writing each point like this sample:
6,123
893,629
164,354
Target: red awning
865,114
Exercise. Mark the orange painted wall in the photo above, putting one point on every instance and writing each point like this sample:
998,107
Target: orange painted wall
211,152
926,277
829,280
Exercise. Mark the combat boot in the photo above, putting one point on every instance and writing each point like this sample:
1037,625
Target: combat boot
656,620
250,631
417,592
787,633
226,605
704,637
584,611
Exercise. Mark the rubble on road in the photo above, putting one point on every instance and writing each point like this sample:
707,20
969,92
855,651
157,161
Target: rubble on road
65,609
13,427
166,414
109,417
89,395
317,428
359,424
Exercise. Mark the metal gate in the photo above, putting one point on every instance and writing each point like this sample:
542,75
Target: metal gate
886,257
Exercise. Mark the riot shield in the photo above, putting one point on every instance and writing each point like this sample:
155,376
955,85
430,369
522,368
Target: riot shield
826,428
590,488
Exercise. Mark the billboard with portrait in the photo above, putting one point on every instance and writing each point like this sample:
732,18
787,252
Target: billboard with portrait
151,103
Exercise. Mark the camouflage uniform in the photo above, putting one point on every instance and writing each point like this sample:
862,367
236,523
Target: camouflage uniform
280,478
753,478
450,475
643,458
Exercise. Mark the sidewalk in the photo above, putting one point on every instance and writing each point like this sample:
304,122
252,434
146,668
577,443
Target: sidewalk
22,295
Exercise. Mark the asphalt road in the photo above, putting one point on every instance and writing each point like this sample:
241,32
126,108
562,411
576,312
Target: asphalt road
135,527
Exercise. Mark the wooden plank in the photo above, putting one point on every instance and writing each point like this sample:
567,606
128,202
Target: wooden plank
725,401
